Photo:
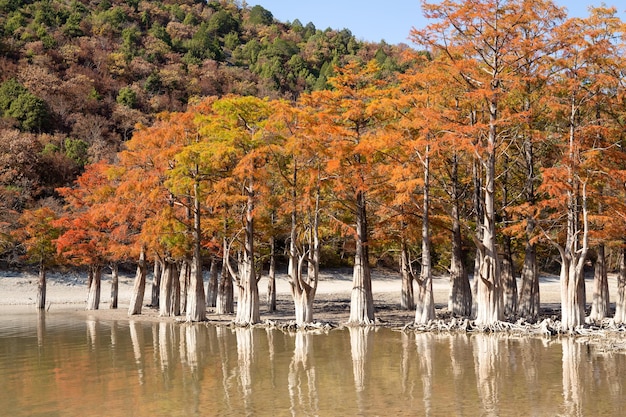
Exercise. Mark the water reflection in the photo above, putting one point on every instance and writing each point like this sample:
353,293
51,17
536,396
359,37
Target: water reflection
424,344
137,340
572,384
302,383
162,368
245,355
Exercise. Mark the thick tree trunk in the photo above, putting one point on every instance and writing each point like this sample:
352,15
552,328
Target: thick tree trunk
489,284
425,305
479,211
303,289
529,299
213,284
41,287
572,285
156,283
620,304
183,284
95,279
136,300
529,295
248,300
196,298
168,300
407,297
303,302
115,285
271,283
600,301
361,301
460,300
225,303
175,294
509,280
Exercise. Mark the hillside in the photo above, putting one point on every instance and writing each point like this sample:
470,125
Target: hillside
77,76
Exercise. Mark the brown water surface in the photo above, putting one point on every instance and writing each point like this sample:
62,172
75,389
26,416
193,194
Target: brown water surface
60,365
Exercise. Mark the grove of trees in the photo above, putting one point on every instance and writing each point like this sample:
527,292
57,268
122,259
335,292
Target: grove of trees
495,151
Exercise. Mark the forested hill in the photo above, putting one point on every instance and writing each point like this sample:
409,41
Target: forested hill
77,76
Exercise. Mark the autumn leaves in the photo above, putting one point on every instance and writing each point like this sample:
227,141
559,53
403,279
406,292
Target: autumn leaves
505,135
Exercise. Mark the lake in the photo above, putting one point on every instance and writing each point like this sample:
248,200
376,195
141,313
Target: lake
61,364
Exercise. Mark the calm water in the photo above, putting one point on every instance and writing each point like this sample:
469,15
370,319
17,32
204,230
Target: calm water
58,366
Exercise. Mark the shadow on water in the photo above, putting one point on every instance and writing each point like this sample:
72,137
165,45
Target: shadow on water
56,366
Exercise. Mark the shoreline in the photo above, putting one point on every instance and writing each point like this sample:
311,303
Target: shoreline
67,292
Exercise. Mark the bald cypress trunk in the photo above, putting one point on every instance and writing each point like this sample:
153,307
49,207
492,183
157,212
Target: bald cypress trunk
247,285
620,303
41,287
114,285
136,300
600,298
156,283
95,279
212,285
407,296
425,305
361,301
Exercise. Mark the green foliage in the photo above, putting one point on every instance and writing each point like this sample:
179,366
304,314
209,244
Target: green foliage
231,41
203,45
77,151
127,97
260,16
130,38
153,83
30,111
9,91
15,20
17,102
222,23
158,31
49,149
11,5
72,28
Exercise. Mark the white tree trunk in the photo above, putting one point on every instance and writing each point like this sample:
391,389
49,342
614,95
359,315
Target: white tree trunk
95,279
195,307
600,298
114,285
213,284
136,299
620,304
168,304
425,306
407,296
156,283
361,300
248,300
41,287
489,284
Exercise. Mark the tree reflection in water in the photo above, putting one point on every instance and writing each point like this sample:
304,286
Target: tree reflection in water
359,341
219,370
245,360
572,388
302,382
486,361
137,340
424,344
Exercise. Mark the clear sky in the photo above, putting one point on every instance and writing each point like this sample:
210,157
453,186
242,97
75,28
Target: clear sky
390,20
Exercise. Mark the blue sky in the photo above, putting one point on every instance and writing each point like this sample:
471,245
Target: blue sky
390,20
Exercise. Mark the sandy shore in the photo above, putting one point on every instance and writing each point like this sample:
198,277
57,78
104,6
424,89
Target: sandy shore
69,292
